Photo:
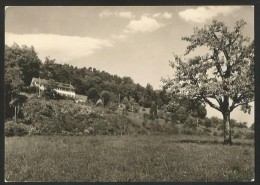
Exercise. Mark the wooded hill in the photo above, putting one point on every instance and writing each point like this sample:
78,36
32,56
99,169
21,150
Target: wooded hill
22,64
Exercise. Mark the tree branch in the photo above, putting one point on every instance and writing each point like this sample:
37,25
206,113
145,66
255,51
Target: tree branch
215,58
218,100
234,106
233,41
211,104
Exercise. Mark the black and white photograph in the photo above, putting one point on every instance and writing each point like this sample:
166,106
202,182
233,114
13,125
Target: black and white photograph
129,93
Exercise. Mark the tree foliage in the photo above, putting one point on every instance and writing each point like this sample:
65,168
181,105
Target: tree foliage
93,94
105,96
21,64
24,59
224,74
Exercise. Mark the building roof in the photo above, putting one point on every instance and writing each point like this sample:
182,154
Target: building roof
59,84
42,81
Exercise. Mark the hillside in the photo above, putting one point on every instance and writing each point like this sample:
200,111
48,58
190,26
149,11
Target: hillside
66,117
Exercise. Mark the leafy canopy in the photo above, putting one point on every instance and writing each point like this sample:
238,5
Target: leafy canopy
225,73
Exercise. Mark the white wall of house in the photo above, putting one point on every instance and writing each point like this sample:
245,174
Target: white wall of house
65,92
58,90
41,86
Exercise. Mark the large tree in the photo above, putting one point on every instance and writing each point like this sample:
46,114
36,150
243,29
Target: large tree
224,76
25,58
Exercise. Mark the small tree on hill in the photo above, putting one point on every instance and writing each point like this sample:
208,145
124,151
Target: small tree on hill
153,110
105,96
93,94
225,74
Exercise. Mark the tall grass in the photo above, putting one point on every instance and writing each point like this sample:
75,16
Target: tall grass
125,158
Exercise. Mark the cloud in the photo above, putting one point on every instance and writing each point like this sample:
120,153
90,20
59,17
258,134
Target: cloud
121,37
144,24
205,13
61,48
165,15
105,13
128,15
156,15
122,14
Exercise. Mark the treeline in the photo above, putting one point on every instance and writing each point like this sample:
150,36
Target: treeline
22,64
92,82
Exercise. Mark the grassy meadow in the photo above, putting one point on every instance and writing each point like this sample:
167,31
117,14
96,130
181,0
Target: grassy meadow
127,158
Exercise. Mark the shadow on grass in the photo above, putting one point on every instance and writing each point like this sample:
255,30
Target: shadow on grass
212,142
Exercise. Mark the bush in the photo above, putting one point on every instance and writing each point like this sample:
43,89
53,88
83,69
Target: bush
191,122
158,127
252,127
143,131
172,129
113,107
237,135
208,122
30,90
16,129
250,135
188,131
220,127
216,121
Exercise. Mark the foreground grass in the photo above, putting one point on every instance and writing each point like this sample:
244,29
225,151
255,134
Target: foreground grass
126,158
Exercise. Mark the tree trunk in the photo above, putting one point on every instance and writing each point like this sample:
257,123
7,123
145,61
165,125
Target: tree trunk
227,128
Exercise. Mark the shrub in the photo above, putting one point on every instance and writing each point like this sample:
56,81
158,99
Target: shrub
250,135
220,127
27,121
216,121
203,132
113,107
172,129
34,131
188,131
50,94
16,129
191,122
30,90
208,122
252,127
237,135
142,131
160,114
157,127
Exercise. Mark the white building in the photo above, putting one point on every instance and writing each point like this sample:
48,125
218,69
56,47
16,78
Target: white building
61,88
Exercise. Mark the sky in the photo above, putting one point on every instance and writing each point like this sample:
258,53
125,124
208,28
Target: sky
135,41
